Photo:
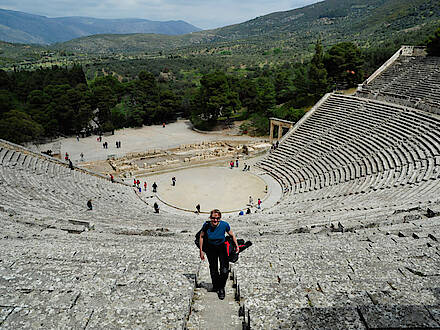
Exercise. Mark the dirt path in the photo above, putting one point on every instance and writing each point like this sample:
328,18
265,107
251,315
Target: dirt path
136,140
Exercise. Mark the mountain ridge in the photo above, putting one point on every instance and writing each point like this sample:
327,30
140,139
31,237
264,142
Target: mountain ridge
21,27
362,21
276,37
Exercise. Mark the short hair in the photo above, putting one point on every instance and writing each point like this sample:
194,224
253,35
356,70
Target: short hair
216,211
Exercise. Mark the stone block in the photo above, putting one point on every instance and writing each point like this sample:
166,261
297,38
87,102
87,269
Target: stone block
397,316
332,318
46,318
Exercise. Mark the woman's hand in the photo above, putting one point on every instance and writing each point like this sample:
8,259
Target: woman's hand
202,255
237,249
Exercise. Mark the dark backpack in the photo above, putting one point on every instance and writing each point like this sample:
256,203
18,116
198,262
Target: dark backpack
231,249
197,236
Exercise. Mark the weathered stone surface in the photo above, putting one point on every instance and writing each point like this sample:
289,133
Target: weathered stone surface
332,318
401,316
47,318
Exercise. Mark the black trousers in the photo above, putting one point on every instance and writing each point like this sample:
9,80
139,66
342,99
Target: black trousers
216,253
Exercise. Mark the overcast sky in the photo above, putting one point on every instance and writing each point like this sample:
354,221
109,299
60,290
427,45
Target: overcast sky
205,14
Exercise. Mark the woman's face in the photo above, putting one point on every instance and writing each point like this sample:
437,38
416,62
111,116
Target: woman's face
215,219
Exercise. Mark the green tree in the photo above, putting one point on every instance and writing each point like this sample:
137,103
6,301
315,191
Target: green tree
103,99
283,86
38,108
111,82
247,92
344,63
17,126
84,111
119,115
318,83
168,105
144,97
302,95
266,96
433,44
135,116
5,81
216,97
6,101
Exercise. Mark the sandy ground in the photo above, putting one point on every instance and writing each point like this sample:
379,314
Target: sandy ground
211,187
136,140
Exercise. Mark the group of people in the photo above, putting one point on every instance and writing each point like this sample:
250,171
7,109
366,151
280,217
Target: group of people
232,163
105,144
251,202
137,184
67,159
274,146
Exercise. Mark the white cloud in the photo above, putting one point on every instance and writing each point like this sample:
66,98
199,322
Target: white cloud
202,13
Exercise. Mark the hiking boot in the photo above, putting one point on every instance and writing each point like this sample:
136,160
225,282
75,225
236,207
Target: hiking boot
221,294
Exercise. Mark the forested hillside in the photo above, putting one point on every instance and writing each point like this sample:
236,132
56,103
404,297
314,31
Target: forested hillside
364,21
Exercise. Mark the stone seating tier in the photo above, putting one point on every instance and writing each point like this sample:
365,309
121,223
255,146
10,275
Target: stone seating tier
56,279
345,158
351,273
65,266
411,81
